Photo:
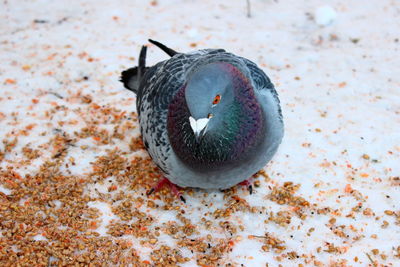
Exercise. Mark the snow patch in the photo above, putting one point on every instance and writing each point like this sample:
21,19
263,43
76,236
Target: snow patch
106,216
325,15
39,238
5,190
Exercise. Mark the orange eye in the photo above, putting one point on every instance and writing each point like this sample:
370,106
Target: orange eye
217,99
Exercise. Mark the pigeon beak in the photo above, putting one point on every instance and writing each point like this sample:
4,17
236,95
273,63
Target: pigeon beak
199,127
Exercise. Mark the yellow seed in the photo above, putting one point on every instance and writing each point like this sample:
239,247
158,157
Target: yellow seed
375,251
365,156
389,212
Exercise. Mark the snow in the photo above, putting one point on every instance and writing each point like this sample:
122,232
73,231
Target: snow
5,190
325,15
39,238
336,69
106,216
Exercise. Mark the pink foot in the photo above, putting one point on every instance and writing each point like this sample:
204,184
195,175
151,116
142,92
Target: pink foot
173,187
248,183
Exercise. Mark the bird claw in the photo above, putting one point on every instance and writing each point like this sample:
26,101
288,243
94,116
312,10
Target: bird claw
151,191
172,186
182,199
251,189
249,185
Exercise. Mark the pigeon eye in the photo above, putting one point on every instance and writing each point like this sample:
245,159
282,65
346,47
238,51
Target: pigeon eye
216,100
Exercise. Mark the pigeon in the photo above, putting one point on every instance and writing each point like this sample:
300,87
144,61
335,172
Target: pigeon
209,119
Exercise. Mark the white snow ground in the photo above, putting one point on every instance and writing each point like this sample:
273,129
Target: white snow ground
339,86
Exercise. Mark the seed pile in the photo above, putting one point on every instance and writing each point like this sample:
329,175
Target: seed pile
50,217
74,172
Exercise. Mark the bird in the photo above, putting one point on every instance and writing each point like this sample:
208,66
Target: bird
208,118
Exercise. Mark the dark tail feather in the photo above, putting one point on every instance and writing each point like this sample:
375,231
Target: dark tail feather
131,77
164,48
142,61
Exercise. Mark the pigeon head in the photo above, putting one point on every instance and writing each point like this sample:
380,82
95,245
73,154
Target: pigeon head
215,120
209,96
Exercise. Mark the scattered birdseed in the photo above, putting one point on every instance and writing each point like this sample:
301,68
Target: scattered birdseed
74,171
271,243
